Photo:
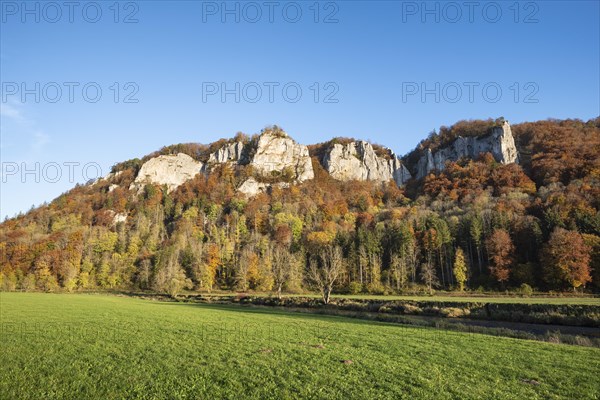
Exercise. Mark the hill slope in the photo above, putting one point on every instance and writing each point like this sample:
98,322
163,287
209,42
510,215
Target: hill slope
260,213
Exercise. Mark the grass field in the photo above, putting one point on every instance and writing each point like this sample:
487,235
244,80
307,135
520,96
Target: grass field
93,346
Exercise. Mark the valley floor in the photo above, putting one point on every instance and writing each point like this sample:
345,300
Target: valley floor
96,346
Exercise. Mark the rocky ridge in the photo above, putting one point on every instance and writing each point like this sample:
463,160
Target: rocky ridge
358,161
278,160
500,143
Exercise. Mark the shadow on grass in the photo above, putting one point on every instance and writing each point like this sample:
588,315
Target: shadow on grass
317,315
430,323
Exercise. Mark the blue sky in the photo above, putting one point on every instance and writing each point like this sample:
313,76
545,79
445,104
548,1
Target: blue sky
369,60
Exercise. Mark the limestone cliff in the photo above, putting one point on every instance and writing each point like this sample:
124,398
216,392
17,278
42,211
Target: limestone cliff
278,154
278,160
500,143
359,161
170,170
229,153
274,156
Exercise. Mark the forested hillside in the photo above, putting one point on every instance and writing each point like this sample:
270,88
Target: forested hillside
476,224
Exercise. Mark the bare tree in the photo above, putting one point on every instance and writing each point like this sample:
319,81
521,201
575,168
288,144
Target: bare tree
171,278
399,267
282,261
325,275
243,267
429,276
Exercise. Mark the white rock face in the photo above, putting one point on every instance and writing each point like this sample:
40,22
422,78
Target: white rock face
113,175
117,217
500,143
120,217
229,153
170,170
251,187
358,161
275,153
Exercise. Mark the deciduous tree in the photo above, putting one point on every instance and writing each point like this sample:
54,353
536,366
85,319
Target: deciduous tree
325,270
500,250
460,269
566,259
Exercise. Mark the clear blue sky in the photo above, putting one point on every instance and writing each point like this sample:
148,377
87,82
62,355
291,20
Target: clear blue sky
372,56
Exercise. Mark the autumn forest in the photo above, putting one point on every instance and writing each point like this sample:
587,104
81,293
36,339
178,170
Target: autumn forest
476,225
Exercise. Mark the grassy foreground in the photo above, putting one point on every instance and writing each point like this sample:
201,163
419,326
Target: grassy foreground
94,346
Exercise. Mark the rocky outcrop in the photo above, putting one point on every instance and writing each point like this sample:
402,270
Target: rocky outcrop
277,153
277,160
170,170
251,187
276,156
500,143
359,161
117,218
230,153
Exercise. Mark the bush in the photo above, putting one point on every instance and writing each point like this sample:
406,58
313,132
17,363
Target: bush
526,290
411,309
452,312
354,287
375,288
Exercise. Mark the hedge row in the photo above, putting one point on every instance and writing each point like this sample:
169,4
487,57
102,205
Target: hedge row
551,314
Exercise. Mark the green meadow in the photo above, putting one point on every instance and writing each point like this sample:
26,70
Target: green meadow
63,346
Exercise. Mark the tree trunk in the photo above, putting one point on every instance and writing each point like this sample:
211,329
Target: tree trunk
442,267
326,295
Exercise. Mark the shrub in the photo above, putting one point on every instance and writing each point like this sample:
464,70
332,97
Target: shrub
354,287
453,312
384,309
411,309
526,290
375,288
